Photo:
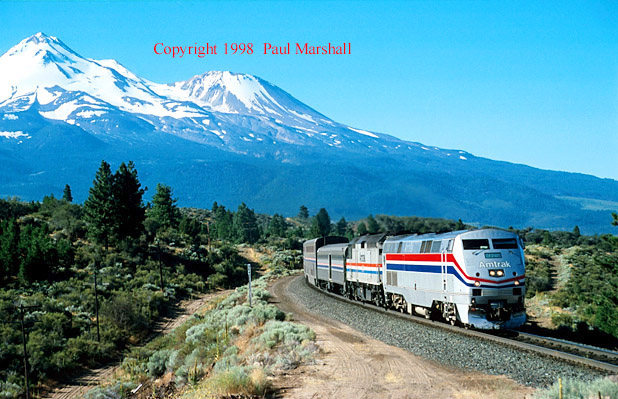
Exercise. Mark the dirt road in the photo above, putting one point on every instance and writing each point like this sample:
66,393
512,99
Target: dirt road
179,313
354,366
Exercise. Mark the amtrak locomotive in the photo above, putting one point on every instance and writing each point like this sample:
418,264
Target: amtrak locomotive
472,278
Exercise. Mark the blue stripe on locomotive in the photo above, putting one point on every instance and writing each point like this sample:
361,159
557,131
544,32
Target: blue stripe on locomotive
438,269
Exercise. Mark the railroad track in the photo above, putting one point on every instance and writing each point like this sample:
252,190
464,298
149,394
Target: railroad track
571,352
575,348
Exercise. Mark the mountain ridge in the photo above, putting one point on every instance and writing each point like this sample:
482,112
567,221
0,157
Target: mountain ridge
61,106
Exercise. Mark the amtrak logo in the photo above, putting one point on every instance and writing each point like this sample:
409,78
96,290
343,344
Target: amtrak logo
495,264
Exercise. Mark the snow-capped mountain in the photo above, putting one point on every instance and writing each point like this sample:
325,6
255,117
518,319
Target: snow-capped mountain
238,112
234,137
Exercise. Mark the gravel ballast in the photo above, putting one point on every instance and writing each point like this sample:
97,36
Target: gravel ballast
442,346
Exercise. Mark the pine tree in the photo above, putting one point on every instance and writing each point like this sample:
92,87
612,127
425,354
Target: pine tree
164,211
277,226
361,230
9,254
576,231
66,194
615,219
320,227
372,226
460,225
99,208
128,195
222,227
303,213
341,227
245,225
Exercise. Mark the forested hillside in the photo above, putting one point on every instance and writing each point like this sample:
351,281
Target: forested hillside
146,256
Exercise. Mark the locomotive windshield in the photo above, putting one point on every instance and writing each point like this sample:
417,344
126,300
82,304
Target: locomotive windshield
476,244
504,243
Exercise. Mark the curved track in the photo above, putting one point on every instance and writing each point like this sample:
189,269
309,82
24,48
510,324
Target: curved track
586,357
355,365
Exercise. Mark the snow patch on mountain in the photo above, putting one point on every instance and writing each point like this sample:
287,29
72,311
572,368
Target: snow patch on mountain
13,135
364,132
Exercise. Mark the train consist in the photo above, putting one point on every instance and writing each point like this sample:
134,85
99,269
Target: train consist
472,278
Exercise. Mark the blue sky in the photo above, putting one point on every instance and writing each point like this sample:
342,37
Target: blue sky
527,82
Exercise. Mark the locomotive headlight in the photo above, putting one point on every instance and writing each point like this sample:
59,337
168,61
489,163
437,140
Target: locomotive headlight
516,283
477,283
492,273
500,273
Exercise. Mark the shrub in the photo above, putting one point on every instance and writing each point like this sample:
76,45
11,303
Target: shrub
562,319
119,390
157,362
240,381
9,390
574,389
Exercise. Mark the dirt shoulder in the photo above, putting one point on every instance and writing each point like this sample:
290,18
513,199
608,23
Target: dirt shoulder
353,365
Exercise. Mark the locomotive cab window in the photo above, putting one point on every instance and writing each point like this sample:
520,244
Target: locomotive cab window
476,244
504,243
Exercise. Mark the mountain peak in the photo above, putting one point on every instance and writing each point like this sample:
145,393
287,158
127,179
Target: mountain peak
239,93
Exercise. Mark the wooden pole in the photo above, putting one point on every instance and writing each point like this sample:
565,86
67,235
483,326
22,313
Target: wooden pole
96,301
23,337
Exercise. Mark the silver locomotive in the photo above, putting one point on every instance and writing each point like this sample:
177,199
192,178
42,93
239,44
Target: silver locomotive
472,278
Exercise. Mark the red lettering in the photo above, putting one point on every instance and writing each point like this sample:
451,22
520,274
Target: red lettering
155,48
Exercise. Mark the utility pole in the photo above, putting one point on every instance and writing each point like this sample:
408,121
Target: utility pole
249,272
22,310
23,338
96,299
208,230
160,265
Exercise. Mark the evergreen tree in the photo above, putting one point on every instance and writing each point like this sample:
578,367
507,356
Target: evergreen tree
372,226
320,226
130,209
99,208
164,212
66,194
192,228
222,227
277,226
576,231
245,225
460,225
615,219
361,230
9,253
303,213
341,227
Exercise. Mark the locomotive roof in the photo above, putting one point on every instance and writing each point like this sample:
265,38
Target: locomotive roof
371,240
333,249
440,236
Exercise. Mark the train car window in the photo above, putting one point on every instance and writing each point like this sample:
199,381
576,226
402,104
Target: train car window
435,247
476,244
504,243
449,248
